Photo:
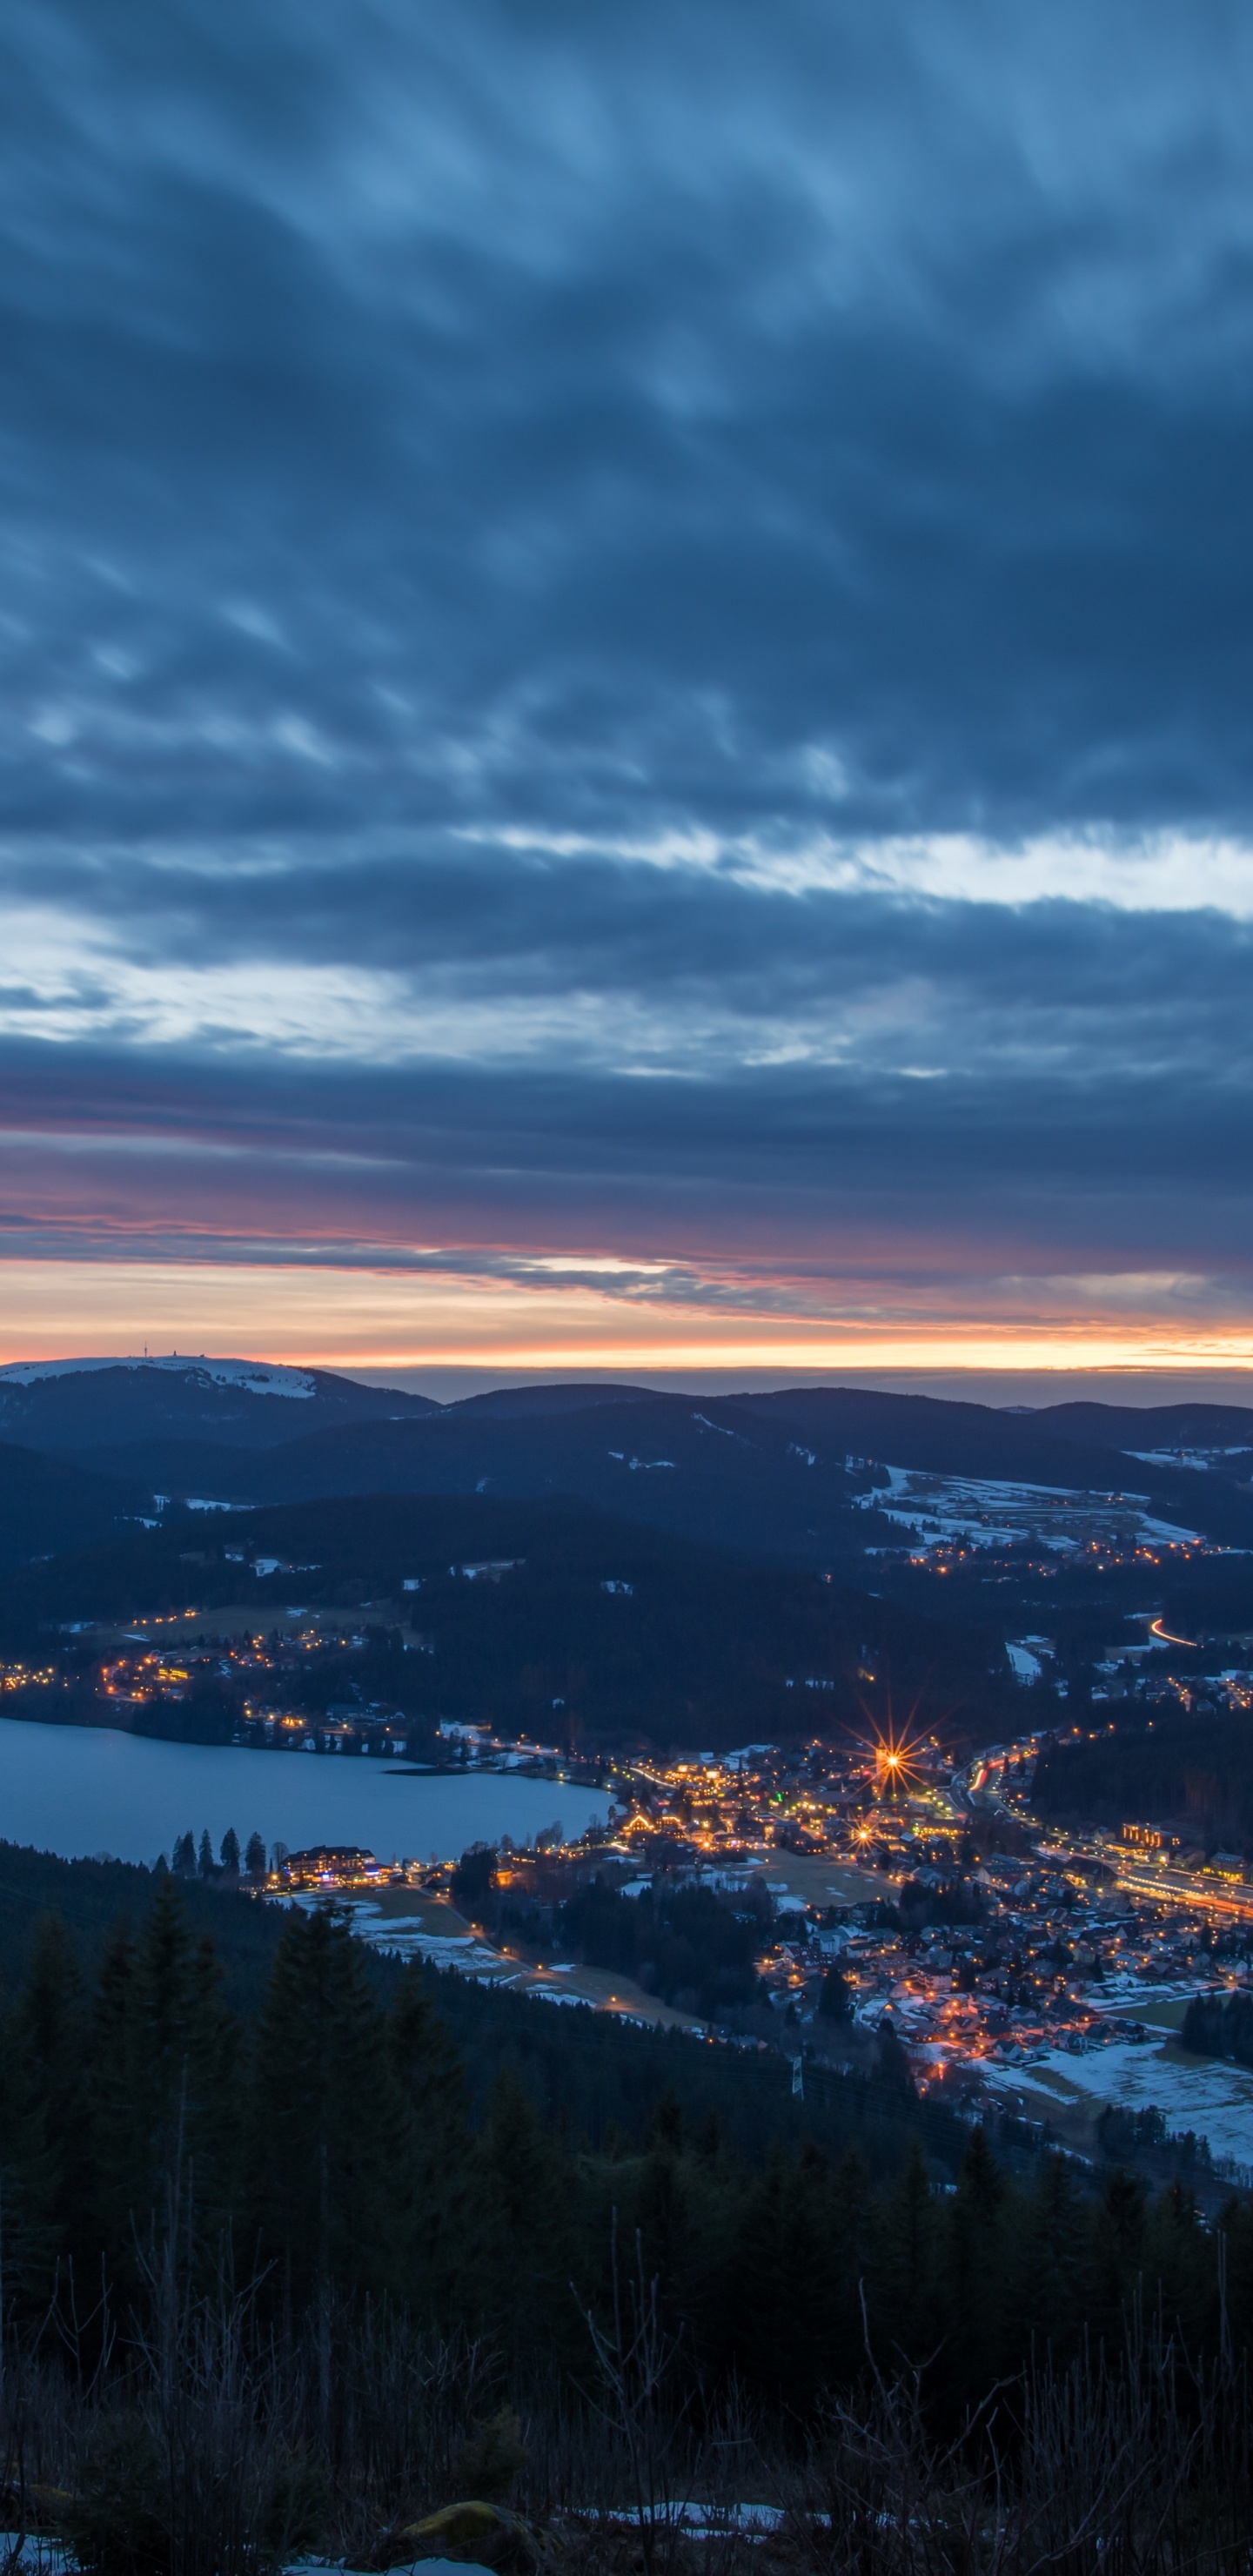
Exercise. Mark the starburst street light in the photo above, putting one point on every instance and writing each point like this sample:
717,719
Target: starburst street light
896,1766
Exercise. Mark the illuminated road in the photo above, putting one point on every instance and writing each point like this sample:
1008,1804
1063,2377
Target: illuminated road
1185,1887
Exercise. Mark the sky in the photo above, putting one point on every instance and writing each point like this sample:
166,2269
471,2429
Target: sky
624,738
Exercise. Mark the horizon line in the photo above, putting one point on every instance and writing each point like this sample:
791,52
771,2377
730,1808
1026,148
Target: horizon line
930,1356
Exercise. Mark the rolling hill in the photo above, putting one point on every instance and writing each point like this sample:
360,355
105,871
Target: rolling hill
776,1472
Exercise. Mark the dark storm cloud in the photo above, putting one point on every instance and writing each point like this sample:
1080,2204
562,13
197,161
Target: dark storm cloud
495,504
785,1172
449,411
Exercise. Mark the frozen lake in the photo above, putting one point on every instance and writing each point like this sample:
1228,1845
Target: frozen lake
79,1790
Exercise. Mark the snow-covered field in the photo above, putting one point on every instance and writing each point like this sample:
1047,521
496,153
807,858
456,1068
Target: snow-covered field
405,1936
1199,2093
993,1512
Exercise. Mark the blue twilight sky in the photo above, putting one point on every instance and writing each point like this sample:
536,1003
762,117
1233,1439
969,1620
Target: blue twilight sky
627,658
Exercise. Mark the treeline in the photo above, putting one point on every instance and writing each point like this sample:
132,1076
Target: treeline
333,2144
1220,2026
682,1942
190,1859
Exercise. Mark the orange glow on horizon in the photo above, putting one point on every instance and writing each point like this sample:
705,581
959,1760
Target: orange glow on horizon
381,1318
936,1353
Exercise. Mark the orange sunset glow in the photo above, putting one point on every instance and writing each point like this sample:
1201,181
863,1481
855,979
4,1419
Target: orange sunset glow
379,1319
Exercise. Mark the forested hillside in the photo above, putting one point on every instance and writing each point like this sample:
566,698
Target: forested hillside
772,1472
586,1627
334,2134
1192,1768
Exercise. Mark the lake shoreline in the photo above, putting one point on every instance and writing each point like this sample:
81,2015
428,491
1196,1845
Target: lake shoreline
114,1722
132,1795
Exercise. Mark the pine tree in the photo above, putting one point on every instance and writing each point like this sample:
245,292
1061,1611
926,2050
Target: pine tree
229,1854
663,2214
28,2239
854,2223
805,2310
183,1861
1178,2262
526,2248
911,2259
1236,2223
254,1857
665,2129
205,1861
1051,2295
326,2121
1119,2250
972,2275
112,2081
47,2179
435,2181
184,2067
212,2123
750,2286
892,2073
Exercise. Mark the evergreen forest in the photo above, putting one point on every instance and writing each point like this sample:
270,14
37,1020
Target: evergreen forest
244,2160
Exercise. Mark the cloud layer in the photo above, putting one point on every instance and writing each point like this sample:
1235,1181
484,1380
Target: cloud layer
626,635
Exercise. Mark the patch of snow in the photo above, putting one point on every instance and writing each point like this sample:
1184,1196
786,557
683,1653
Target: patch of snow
37,2555
934,1526
340,2567
994,1512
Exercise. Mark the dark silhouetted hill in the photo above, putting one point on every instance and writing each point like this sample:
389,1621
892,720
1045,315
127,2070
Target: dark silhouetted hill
775,1472
47,1504
691,1646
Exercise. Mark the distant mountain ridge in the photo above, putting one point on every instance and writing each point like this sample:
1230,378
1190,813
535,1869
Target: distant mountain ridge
88,1403
775,1471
